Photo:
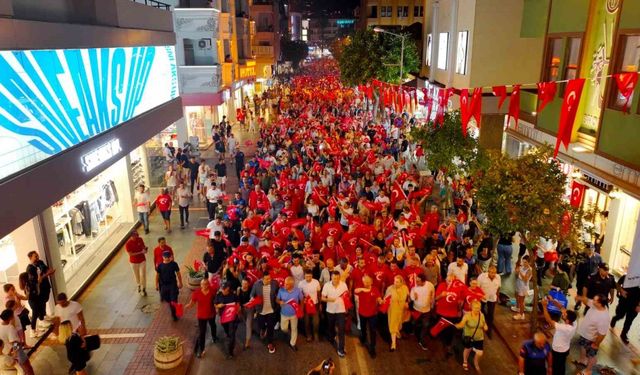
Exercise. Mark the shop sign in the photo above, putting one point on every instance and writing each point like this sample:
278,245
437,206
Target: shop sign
51,100
596,182
100,155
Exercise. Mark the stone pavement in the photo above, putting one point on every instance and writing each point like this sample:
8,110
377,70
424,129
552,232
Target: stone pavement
128,323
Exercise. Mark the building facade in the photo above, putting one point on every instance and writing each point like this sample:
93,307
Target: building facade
266,44
84,105
392,12
324,31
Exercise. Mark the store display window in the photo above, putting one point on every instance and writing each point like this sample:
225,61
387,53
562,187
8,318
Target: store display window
91,217
156,160
627,224
199,122
14,248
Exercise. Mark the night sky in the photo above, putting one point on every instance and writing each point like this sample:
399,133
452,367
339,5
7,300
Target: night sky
343,7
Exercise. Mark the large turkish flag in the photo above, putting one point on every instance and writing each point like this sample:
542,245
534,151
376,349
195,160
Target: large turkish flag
577,192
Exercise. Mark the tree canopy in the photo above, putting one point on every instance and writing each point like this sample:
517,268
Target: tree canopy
294,50
367,55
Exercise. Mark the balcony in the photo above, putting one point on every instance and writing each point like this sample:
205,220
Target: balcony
196,23
263,51
242,28
199,79
154,3
226,29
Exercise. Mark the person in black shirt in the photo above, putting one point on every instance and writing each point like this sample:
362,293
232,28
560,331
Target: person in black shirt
169,282
214,257
239,163
193,166
600,282
221,170
223,300
39,288
628,306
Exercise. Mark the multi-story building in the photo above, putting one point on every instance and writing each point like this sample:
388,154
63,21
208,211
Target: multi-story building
266,44
86,95
323,31
391,12
492,43
215,65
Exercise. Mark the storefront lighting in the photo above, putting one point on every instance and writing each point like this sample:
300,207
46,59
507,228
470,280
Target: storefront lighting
579,149
534,113
576,174
8,255
614,194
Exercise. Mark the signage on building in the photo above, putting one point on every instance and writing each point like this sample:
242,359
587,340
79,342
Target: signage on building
596,182
51,100
100,155
345,22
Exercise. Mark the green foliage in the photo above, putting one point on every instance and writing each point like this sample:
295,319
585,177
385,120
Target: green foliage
195,274
294,50
371,55
447,149
524,194
168,344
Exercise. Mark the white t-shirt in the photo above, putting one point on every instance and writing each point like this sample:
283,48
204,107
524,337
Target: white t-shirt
297,272
69,313
184,196
330,291
142,201
459,272
489,287
214,194
8,334
422,297
215,227
310,289
595,323
562,336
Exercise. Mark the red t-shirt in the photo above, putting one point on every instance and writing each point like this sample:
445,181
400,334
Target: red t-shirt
367,302
204,304
449,306
379,274
411,274
332,229
356,277
157,254
163,202
432,222
336,252
470,295
135,245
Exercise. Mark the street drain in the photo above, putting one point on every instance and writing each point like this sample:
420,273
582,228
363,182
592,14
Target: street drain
150,308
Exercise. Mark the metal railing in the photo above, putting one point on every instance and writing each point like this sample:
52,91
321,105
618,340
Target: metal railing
154,3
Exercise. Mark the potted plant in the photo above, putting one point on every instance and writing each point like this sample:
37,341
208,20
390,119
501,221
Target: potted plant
168,352
195,275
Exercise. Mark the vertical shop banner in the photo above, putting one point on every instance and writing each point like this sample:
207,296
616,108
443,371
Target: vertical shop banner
596,59
568,111
577,192
51,100
633,274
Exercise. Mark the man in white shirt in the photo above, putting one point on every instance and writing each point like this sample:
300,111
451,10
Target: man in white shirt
383,199
422,296
213,194
184,198
459,269
71,311
490,283
8,332
142,202
9,337
564,331
310,289
332,294
592,329
214,226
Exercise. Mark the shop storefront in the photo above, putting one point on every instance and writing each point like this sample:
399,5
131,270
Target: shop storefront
71,182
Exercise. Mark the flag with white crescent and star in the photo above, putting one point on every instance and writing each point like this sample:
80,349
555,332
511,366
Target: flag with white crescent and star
577,192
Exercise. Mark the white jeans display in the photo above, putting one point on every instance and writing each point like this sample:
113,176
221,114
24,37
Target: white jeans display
140,273
285,321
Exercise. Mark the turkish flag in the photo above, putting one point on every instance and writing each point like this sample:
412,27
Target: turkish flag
465,110
565,224
501,92
626,83
397,194
476,105
546,93
514,105
577,192
568,113
443,100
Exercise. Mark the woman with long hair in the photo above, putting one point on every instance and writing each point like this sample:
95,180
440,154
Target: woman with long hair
399,294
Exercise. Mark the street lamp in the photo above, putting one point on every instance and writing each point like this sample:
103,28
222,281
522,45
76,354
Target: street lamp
402,38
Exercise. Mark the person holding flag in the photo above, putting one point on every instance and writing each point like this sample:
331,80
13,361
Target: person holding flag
228,303
290,299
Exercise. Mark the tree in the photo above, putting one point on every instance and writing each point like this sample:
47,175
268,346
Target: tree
376,55
526,194
337,47
447,149
294,50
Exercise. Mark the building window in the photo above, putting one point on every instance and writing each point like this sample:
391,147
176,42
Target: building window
403,11
573,61
553,59
418,11
443,49
429,46
627,60
461,56
385,11
373,13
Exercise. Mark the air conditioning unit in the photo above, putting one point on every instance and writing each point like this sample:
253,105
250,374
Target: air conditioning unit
204,43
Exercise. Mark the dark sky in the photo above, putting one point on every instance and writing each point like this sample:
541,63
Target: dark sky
345,7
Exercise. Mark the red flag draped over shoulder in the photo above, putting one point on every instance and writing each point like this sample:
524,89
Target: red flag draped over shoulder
626,83
514,105
570,103
546,93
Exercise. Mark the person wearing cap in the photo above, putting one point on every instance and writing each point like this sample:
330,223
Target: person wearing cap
267,290
225,297
159,250
600,282
169,281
